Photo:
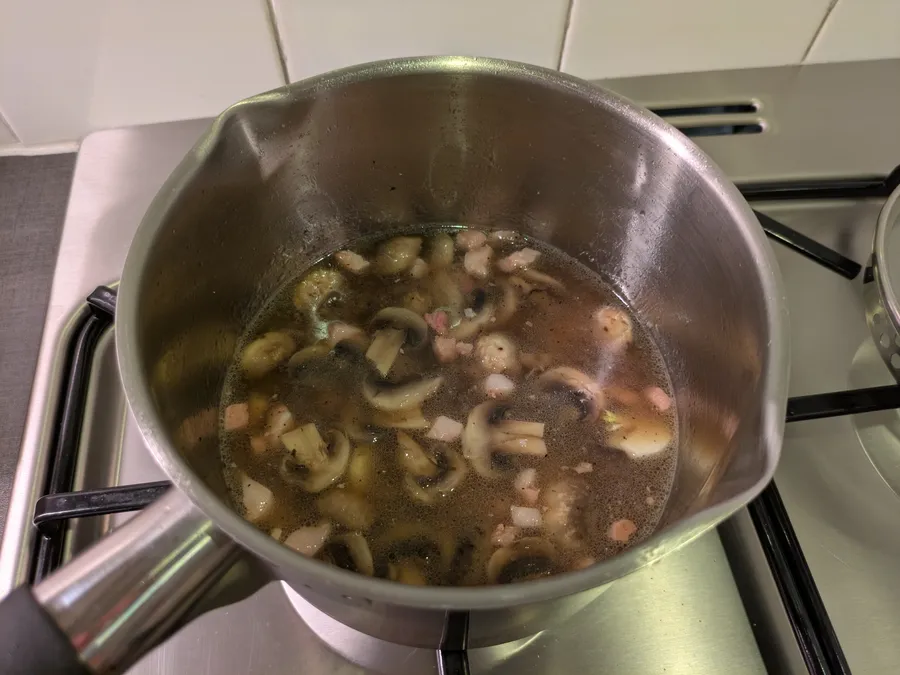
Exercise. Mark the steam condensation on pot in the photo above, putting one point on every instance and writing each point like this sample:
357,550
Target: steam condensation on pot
450,407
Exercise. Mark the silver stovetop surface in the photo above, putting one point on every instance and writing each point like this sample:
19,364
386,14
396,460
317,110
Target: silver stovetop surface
683,615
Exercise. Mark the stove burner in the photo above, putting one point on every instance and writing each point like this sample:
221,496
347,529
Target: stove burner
389,658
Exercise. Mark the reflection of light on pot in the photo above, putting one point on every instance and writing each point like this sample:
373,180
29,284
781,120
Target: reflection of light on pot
386,657
878,432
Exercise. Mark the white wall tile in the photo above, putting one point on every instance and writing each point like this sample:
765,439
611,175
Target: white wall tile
618,38
319,36
67,68
857,30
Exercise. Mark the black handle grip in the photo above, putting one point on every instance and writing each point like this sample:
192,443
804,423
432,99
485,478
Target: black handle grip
30,640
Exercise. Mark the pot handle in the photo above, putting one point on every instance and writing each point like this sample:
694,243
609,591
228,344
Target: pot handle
119,598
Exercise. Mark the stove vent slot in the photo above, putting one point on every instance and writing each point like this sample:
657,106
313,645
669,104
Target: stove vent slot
713,119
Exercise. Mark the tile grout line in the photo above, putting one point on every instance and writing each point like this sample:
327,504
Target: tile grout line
4,124
819,30
276,36
565,35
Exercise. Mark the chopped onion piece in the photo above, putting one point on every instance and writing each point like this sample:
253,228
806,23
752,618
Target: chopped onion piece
477,260
497,385
658,398
257,499
518,260
622,530
237,416
584,467
309,540
445,429
526,478
352,262
525,516
445,349
504,535
468,240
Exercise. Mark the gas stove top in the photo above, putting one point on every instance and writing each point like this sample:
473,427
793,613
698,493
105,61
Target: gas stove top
716,606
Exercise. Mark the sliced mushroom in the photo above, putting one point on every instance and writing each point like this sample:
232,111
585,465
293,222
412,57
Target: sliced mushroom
279,421
407,572
445,292
542,281
312,352
638,436
429,476
265,353
496,353
405,419
481,438
584,390
470,326
361,470
397,255
349,508
352,262
416,541
612,327
440,250
340,332
337,456
307,447
526,559
414,459
449,479
510,299
309,540
351,552
389,397
257,500
316,286
395,327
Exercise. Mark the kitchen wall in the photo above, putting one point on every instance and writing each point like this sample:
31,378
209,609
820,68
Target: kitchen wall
68,68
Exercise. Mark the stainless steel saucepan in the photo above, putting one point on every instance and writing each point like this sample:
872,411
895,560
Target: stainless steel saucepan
284,177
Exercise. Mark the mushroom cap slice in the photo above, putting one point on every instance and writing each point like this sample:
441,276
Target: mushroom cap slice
639,436
333,468
265,353
403,319
476,439
586,391
389,397
397,255
349,508
527,558
444,484
351,552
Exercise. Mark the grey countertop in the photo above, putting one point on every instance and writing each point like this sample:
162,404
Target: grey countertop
33,195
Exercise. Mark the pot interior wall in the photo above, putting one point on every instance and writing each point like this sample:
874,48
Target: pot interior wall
297,173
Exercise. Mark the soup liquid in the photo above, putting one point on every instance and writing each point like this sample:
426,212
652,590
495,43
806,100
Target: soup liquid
592,499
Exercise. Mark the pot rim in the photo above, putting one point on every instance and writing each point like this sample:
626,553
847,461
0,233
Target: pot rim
357,587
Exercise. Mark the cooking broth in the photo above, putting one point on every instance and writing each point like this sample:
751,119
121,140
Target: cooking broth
450,408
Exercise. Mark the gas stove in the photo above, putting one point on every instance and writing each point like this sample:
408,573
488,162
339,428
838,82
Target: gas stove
802,582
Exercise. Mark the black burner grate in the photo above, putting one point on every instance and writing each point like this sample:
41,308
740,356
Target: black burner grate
809,620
